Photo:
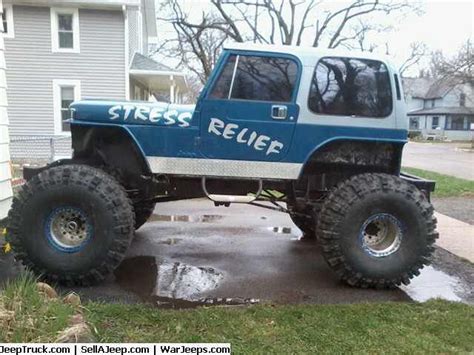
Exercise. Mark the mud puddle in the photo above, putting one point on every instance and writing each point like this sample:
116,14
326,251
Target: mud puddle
172,285
206,218
433,283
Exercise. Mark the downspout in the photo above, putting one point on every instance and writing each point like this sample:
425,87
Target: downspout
6,192
127,48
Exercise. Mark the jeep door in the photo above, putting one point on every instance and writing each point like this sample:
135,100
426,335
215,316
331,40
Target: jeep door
248,111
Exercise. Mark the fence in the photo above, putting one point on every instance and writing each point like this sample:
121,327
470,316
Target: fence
39,149
36,151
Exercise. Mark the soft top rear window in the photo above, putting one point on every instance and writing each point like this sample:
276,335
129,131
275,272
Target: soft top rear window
350,87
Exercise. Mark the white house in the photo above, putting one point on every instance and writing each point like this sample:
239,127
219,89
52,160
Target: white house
58,51
440,109
5,172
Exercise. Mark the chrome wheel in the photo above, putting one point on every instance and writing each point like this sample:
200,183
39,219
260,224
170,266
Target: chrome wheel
68,229
381,235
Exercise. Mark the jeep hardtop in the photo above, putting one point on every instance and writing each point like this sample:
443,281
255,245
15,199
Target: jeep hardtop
311,132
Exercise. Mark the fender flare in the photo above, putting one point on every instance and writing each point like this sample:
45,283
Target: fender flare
93,130
326,143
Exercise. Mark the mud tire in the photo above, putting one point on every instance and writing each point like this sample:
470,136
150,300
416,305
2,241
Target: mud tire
352,203
108,210
143,211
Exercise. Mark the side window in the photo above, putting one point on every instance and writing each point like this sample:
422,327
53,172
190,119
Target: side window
264,79
222,86
350,87
257,79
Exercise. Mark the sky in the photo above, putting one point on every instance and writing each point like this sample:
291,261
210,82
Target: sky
444,25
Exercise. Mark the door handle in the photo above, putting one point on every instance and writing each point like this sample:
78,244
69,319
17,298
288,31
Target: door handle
279,112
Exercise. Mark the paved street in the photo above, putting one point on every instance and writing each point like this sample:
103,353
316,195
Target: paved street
192,253
443,158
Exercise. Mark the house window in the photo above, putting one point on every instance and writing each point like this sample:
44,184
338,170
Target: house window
4,21
462,100
67,98
458,123
7,21
65,30
414,123
65,92
433,103
435,122
350,87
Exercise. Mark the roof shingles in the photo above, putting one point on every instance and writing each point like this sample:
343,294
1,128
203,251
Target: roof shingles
141,62
443,111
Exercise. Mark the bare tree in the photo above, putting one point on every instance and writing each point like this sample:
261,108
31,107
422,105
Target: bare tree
459,67
197,46
288,22
418,51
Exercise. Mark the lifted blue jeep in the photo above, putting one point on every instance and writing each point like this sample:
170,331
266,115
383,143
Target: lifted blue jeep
315,133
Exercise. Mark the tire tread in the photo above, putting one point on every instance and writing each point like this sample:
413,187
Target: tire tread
342,198
96,181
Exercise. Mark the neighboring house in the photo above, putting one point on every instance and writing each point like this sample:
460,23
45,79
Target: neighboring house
61,51
5,171
440,109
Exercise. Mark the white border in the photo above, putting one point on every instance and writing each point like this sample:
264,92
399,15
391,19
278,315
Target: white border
57,84
75,28
10,22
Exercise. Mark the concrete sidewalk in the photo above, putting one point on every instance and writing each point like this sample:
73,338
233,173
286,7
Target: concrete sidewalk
456,237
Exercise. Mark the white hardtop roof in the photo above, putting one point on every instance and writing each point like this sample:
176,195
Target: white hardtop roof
306,54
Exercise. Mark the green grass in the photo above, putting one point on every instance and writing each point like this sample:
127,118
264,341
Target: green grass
433,327
35,319
446,185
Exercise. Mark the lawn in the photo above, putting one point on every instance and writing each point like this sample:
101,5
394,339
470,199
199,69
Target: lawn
433,327
25,316
446,185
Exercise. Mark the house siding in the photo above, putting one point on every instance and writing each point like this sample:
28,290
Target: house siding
414,103
453,97
32,66
5,173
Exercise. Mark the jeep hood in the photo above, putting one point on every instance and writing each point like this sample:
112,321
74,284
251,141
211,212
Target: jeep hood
132,112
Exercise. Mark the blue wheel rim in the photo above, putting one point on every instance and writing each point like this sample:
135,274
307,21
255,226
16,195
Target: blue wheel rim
68,229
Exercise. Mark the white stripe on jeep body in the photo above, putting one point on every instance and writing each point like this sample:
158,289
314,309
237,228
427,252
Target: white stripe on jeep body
225,168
